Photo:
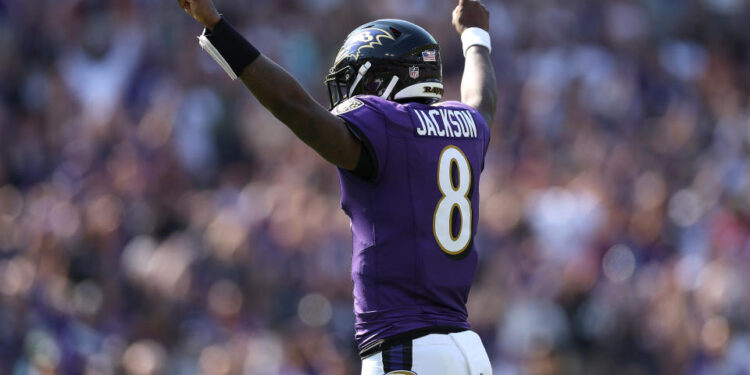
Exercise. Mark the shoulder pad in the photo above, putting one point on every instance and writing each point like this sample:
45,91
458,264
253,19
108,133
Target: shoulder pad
347,105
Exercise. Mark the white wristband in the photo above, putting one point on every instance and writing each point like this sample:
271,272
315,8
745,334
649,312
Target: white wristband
475,36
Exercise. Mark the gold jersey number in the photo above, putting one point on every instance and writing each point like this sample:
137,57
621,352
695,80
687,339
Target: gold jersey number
455,197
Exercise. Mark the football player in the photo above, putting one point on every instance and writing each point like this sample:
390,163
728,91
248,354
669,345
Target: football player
409,169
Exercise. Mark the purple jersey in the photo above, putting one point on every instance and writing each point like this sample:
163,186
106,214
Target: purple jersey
413,223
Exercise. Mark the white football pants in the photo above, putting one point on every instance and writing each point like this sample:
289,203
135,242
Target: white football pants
459,353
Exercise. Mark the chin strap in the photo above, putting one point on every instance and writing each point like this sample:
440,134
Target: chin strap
390,87
362,71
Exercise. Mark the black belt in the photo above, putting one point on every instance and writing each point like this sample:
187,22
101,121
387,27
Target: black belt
401,338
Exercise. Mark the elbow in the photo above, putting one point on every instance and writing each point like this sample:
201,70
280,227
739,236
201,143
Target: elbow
291,108
291,102
485,103
491,102
489,107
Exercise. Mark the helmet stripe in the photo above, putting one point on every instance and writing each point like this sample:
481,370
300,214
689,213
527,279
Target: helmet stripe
421,90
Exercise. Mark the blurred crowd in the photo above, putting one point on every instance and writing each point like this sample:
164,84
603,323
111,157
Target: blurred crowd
155,219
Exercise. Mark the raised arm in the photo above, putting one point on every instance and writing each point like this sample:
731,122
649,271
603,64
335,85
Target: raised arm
291,104
478,85
281,94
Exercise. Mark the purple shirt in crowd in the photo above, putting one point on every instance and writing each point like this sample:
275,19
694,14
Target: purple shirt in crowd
414,222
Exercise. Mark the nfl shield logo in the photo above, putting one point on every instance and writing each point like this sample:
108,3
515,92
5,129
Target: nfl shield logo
414,72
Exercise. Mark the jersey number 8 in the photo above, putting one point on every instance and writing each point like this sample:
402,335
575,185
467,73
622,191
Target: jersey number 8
455,197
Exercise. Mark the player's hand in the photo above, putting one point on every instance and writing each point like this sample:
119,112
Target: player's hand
470,13
203,11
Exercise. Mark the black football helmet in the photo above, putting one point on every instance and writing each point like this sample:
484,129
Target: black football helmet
394,59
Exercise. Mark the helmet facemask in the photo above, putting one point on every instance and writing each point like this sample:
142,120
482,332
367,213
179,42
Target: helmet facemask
338,85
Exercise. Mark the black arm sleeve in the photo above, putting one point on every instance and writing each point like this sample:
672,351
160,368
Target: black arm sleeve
232,46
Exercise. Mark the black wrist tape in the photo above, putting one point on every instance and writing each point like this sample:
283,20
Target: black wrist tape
232,46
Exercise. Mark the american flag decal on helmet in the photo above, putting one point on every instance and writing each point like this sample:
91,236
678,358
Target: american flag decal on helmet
429,56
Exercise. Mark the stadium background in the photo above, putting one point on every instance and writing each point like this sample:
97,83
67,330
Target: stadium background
154,219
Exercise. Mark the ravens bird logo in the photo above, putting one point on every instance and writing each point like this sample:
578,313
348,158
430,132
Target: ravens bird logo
365,38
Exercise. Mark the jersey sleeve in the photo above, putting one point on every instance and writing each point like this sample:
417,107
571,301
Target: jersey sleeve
368,124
